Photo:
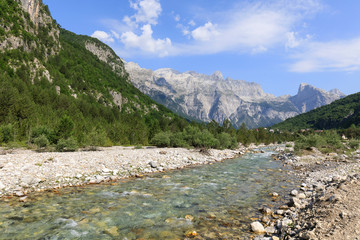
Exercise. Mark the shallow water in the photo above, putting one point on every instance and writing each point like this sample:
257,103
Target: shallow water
217,201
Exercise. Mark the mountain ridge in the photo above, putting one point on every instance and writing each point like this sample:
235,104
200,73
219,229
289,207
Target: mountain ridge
207,97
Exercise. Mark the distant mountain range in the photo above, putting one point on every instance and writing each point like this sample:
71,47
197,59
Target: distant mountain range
340,114
206,97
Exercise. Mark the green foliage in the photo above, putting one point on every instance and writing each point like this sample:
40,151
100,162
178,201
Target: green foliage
66,145
7,133
326,142
41,141
161,139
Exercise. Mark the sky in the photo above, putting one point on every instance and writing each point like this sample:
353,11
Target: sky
278,44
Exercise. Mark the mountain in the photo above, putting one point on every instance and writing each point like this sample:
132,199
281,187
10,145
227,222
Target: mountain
57,85
339,114
206,97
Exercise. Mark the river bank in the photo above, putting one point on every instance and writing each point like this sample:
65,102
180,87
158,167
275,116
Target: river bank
25,171
325,206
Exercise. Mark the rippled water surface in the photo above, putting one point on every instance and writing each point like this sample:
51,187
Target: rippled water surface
217,201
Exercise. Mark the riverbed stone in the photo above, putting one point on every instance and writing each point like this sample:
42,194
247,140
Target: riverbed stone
294,193
257,227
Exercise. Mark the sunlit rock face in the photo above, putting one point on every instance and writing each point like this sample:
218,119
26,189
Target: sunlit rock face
206,97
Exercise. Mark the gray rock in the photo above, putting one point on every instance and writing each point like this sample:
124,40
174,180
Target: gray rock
2,186
257,227
294,193
153,165
270,230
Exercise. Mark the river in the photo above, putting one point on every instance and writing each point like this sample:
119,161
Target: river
218,201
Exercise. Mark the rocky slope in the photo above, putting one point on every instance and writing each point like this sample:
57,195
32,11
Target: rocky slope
207,97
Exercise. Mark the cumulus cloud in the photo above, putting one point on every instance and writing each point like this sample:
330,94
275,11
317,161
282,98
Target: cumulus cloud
250,27
205,33
146,43
148,11
103,36
328,56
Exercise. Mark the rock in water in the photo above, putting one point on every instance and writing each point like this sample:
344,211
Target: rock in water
257,227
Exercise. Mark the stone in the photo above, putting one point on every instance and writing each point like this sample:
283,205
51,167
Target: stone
294,193
270,230
257,227
191,234
266,211
275,238
113,231
2,186
153,165
19,193
301,196
295,202
189,217
275,194
279,212
23,199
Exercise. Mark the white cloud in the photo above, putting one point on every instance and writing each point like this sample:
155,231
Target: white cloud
328,56
250,28
146,43
205,33
192,23
103,36
148,11
177,18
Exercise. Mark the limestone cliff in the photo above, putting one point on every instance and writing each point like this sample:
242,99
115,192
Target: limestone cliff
207,97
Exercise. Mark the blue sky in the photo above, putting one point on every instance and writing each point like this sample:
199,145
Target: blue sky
276,43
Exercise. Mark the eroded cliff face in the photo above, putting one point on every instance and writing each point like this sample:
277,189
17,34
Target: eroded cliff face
107,55
33,8
207,97
38,22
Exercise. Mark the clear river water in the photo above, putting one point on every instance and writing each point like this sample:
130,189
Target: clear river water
218,201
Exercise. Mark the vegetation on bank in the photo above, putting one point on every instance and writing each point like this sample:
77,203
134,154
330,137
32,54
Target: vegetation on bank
327,141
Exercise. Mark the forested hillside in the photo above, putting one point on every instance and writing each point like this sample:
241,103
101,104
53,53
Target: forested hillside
52,87
340,114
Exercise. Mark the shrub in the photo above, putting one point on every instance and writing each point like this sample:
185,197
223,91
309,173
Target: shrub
353,144
205,139
41,141
66,145
45,131
227,141
7,133
161,139
177,140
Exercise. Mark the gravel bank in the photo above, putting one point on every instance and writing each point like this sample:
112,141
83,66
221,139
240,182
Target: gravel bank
24,171
325,206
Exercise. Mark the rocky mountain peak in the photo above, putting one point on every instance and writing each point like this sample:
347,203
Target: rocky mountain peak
218,75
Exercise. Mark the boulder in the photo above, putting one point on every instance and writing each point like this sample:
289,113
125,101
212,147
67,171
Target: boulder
257,227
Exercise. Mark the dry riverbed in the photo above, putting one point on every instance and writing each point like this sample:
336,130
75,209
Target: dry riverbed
325,206
24,171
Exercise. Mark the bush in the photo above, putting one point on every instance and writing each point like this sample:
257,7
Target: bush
227,141
354,144
161,139
7,133
41,141
66,145
205,139
45,131
177,140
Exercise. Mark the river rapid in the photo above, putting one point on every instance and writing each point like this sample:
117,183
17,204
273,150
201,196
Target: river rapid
217,201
